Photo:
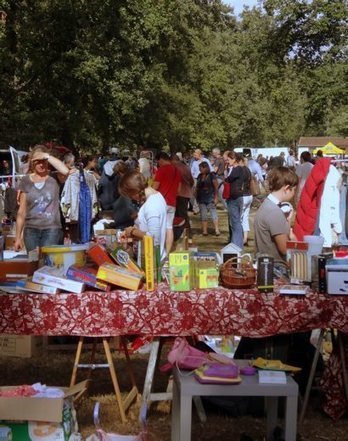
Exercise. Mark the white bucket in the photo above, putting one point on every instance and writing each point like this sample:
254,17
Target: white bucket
65,256
315,244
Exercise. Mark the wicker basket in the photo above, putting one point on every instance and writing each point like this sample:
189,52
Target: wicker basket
238,272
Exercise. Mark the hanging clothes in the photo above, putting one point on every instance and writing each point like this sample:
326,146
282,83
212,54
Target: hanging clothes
85,209
343,237
309,203
70,199
329,214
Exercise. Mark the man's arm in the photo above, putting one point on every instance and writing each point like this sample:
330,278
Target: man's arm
280,241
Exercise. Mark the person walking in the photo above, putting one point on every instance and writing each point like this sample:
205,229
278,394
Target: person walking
235,201
247,199
206,196
167,181
185,192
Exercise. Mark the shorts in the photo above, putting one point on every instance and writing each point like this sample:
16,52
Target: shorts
170,217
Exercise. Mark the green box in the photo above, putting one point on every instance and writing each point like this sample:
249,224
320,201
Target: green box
207,278
180,271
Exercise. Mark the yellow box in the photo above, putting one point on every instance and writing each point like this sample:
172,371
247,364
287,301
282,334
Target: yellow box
207,278
116,275
179,271
149,256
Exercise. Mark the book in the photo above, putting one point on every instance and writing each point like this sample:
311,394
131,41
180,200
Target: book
87,275
99,255
294,289
272,377
37,287
53,276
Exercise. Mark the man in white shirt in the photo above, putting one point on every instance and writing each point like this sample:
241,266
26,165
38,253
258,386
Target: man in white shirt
197,159
291,160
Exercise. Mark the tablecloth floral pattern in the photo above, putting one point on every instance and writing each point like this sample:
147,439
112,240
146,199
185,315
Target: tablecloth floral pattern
162,312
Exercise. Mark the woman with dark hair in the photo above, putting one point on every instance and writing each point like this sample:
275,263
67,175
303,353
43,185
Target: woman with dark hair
90,164
108,185
152,215
38,216
236,178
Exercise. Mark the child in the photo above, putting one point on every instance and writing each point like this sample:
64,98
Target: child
207,197
272,229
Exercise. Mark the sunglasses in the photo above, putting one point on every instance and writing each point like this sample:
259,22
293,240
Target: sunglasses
37,161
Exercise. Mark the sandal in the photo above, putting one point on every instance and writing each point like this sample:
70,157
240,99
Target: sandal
217,233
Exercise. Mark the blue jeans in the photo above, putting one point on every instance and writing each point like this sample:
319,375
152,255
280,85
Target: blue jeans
235,207
34,237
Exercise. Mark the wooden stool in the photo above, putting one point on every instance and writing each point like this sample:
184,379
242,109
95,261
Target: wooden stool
122,404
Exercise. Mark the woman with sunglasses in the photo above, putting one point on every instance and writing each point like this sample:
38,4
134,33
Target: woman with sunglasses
152,216
38,217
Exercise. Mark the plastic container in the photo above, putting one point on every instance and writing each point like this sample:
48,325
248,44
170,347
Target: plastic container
315,244
62,255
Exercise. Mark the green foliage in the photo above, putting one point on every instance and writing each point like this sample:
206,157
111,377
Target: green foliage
171,73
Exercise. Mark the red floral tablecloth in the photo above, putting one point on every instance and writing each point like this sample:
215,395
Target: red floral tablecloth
162,312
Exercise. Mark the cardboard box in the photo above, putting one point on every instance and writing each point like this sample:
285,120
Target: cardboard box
206,278
105,237
87,275
179,271
10,240
337,278
149,260
17,268
31,419
119,276
23,346
122,258
53,276
99,255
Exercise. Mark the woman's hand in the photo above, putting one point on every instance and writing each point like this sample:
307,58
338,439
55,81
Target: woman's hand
18,245
39,156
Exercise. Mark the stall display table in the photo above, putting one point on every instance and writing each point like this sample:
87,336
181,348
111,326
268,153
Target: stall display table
162,312
185,387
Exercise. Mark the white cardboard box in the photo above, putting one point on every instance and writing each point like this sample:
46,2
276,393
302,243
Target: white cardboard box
24,346
337,279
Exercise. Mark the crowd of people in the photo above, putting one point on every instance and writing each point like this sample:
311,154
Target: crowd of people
153,196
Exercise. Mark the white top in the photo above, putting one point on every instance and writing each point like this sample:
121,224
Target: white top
152,218
195,166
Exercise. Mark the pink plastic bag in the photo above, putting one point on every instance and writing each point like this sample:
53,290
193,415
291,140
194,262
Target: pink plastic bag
185,356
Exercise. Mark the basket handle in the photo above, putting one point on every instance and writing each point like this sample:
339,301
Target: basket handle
246,256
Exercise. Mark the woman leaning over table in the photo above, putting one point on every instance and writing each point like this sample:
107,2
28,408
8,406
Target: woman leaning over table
152,215
38,215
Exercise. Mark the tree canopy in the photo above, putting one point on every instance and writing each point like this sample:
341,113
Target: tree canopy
94,73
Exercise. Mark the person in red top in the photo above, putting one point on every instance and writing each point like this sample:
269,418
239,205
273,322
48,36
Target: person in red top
167,181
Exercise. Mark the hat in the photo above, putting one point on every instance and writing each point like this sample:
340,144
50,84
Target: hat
114,150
